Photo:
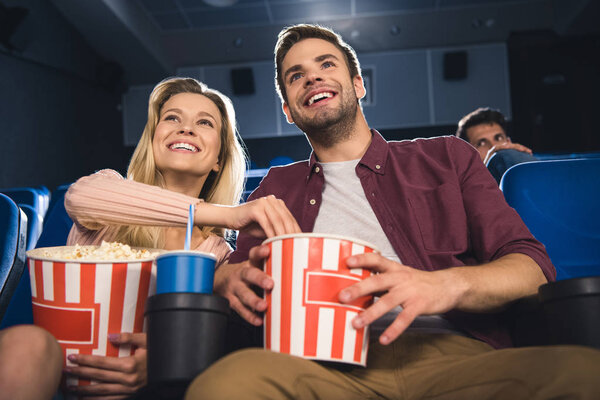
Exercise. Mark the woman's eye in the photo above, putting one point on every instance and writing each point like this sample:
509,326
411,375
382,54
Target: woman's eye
206,122
171,118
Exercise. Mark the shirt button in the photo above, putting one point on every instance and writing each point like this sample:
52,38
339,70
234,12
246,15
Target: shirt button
317,169
312,202
378,166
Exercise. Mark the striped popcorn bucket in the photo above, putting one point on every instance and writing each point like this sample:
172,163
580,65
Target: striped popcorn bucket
304,317
81,302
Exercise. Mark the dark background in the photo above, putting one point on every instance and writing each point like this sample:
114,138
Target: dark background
61,83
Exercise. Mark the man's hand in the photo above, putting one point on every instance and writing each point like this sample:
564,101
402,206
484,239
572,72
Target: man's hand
504,146
418,292
118,377
235,281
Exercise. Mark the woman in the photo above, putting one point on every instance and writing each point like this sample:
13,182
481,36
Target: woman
188,154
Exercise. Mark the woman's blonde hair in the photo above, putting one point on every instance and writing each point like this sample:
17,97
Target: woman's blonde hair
222,187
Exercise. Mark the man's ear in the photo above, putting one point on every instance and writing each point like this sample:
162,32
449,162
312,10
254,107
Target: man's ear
359,87
288,114
508,139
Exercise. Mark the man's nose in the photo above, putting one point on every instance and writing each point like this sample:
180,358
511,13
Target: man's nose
312,77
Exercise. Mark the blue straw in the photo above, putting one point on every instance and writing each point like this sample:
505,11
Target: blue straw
190,224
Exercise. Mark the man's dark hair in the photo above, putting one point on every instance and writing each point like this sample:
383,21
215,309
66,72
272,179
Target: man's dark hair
293,34
479,117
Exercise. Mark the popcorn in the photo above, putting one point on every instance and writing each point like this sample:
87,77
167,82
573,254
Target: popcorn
106,251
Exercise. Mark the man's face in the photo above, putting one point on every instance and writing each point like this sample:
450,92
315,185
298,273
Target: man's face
485,136
320,91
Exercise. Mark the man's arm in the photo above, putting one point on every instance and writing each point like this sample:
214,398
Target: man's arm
484,288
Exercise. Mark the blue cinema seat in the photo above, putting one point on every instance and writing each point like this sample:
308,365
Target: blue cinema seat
253,178
13,233
57,223
559,202
31,196
34,225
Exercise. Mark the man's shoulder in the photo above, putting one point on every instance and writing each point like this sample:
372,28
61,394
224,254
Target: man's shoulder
288,171
426,143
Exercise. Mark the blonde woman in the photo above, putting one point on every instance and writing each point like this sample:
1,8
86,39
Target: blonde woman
189,153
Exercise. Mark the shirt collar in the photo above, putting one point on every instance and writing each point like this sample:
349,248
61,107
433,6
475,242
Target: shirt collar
374,158
376,154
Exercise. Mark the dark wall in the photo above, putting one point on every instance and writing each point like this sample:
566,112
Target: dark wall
59,120
555,83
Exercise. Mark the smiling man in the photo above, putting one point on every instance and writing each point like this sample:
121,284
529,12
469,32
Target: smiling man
485,129
453,254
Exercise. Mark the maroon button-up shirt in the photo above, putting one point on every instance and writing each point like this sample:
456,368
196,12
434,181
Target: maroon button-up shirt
436,202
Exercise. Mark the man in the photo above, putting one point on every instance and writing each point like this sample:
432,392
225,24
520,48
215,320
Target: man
452,253
485,129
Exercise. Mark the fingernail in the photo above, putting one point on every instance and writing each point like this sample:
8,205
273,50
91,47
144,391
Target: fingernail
351,261
67,370
344,295
113,337
384,339
72,357
268,284
358,322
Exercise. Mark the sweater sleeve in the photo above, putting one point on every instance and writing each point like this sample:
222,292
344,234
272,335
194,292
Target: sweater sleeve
106,198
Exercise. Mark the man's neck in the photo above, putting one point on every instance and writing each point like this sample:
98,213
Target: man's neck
351,148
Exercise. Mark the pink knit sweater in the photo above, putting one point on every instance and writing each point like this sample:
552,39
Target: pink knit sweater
99,203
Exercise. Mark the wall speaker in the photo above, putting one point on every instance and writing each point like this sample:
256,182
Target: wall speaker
242,81
455,65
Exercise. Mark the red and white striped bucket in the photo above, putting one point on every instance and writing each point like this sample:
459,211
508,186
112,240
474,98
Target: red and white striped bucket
304,317
80,303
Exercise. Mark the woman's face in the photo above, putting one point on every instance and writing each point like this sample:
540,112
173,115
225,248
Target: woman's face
187,139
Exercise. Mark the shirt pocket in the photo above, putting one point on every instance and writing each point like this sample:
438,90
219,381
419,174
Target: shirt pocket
441,218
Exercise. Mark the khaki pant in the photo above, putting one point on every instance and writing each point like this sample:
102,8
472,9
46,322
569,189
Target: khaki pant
416,366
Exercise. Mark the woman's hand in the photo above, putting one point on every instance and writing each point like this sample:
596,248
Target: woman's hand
264,217
118,377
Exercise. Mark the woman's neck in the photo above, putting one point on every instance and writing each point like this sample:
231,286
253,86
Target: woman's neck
188,185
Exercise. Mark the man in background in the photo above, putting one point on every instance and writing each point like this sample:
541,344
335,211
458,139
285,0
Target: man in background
485,129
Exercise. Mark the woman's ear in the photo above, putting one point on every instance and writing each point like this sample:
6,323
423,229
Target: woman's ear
216,167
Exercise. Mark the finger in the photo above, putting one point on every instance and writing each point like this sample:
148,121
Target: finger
120,364
254,276
396,328
244,311
264,221
373,261
102,375
291,225
257,256
249,298
134,339
106,390
368,286
270,214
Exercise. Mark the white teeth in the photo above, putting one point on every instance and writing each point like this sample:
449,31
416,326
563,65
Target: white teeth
183,146
319,96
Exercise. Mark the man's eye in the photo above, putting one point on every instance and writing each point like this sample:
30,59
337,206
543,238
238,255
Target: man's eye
295,76
481,143
328,64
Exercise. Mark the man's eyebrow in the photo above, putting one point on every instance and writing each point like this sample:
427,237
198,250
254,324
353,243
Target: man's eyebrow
298,67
